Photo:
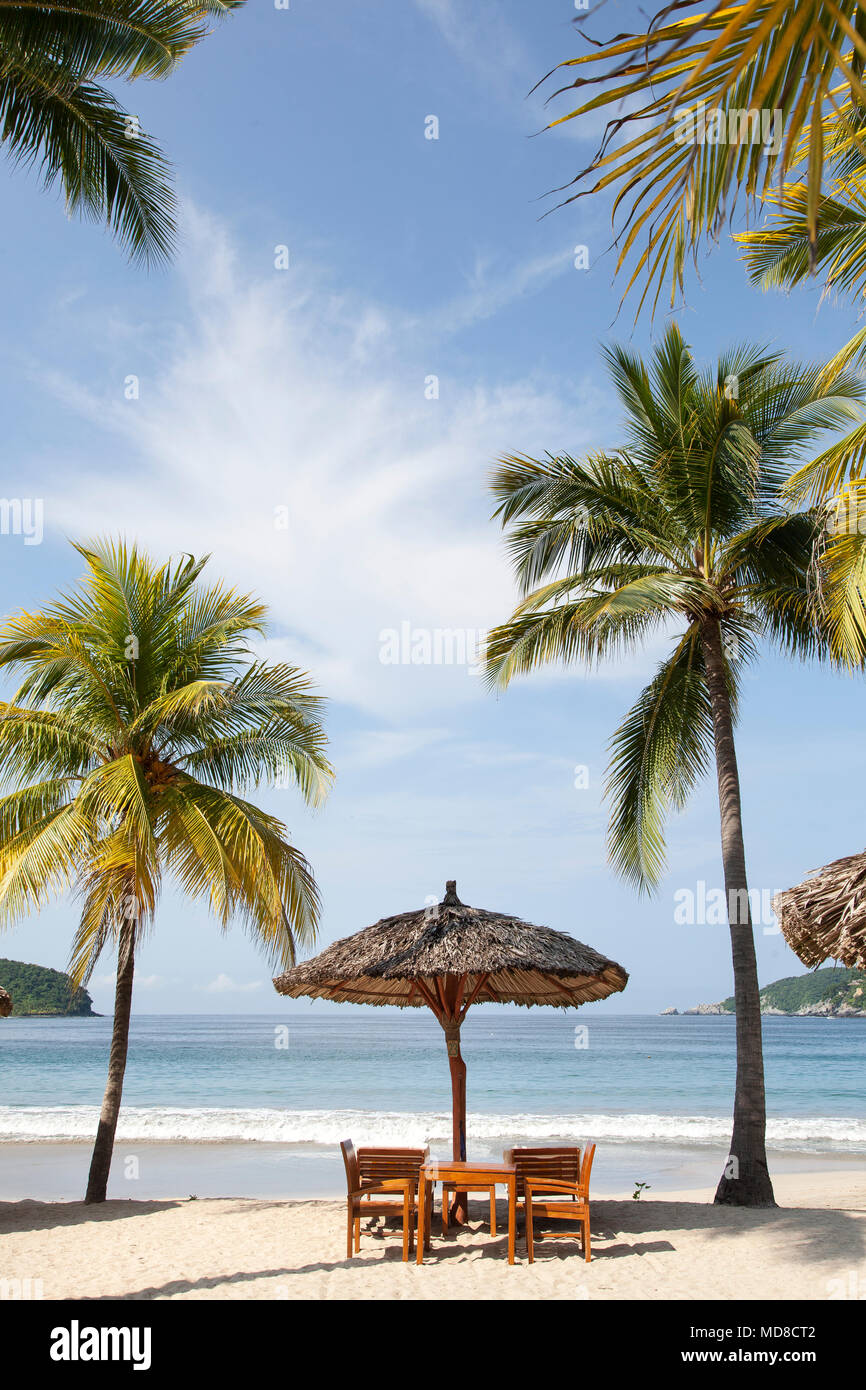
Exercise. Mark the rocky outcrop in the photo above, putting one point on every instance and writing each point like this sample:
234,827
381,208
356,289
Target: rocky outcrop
827,1009
829,993
671,1010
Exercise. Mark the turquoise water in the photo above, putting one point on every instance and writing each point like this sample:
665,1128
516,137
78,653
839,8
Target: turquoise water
307,1079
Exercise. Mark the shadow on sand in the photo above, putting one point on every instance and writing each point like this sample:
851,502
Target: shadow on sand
620,1230
28,1215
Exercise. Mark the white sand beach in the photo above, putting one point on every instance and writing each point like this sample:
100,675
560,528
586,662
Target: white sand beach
812,1247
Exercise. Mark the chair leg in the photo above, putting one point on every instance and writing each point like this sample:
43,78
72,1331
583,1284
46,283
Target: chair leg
527,1212
406,1225
493,1211
357,1234
444,1208
586,1238
427,1223
349,1235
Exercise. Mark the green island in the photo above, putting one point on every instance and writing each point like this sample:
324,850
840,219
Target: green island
828,991
833,992
38,991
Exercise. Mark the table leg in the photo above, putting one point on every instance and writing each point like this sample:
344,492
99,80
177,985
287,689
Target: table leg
512,1204
420,1234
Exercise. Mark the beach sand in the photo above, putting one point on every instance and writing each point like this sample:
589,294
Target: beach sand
682,1247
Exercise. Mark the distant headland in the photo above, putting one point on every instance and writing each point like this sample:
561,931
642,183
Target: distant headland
829,993
38,991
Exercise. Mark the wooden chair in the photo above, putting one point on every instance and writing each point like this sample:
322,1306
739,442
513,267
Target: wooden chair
383,1164
370,1172
565,1200
562,1164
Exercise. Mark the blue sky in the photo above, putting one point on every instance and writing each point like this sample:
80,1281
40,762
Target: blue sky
304,393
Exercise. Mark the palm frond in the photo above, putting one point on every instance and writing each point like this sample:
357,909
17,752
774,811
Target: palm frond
677,178
826,475
237,856
658,753
139,716
844,569
782,254
43,861
549,627
45,743
56,115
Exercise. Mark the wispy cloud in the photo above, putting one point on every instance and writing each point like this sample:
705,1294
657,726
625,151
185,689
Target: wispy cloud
375,747
332,485
224,984
491,290
482,38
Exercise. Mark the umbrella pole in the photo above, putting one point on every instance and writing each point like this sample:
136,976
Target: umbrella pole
459,1212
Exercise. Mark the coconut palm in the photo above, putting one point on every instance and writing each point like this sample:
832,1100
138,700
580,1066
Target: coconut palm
139,720
55,113
683,529
804,61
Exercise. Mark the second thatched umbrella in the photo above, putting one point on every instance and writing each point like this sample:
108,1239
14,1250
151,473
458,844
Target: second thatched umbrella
447,958
5,1003
824,918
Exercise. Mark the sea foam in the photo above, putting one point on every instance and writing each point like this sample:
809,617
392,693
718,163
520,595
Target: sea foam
488,1132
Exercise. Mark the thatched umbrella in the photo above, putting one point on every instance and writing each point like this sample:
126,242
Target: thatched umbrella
825,917
447,958
5,1003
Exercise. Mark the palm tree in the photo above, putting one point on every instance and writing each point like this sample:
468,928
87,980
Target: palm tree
139,719
684,527
803,61
56,114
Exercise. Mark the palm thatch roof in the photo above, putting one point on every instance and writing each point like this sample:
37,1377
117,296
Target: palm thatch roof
5,1003
825,917
500,958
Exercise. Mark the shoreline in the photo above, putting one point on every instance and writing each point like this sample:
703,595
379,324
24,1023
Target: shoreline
250,1170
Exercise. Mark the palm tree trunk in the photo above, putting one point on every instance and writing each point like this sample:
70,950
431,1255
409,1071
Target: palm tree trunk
746,1179
103,1147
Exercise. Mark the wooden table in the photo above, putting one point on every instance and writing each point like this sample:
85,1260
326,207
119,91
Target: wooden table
460,1172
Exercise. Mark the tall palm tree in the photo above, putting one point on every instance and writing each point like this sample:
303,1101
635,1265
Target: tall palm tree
684,528
139,719
56,114
802,60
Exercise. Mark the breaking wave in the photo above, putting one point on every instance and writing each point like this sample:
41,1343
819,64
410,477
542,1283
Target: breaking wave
325,1128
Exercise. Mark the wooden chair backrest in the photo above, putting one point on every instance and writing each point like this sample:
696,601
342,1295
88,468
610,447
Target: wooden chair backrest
377,1165
586,1168
353,1171
561,1163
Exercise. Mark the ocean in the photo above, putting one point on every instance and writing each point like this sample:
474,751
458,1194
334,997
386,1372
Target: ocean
256,1105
